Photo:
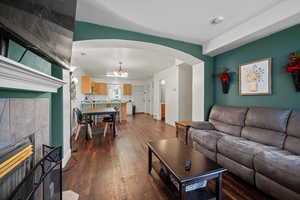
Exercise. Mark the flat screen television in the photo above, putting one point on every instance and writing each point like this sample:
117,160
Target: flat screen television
43,26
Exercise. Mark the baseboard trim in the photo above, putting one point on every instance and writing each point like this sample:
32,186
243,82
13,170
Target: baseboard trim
66,158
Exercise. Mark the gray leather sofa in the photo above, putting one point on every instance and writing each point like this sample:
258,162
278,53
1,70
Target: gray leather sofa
260,145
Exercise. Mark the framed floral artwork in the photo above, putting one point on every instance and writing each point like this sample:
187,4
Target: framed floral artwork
256,77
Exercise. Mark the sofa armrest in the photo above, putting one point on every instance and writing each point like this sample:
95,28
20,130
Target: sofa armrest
203,125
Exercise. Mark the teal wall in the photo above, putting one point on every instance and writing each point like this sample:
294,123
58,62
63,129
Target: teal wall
88,31
30,59
57,111
277,46
15,52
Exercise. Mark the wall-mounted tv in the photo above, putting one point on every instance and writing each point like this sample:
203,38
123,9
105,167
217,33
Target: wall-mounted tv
43,26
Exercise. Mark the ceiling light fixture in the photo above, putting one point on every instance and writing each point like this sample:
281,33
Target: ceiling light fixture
217,20
119,72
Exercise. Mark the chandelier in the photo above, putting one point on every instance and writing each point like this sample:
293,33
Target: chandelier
119,72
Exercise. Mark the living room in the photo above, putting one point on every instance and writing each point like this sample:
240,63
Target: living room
215,86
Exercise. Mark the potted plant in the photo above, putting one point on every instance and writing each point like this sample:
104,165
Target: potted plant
293,67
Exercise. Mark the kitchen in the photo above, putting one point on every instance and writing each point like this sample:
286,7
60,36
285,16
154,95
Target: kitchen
128,95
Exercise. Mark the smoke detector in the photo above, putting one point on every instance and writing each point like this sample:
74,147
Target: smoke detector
217,20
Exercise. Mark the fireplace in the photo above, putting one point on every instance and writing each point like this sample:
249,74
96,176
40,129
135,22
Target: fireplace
24,129
16,161
44,180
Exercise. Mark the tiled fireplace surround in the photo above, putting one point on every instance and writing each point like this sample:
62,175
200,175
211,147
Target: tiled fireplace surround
22,117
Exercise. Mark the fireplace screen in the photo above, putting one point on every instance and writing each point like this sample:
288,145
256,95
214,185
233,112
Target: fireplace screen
45,180
16,161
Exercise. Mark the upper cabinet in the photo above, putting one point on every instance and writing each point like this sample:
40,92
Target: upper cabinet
127,89
86,85
100,89
89,87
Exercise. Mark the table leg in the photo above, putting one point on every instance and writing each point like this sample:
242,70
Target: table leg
219,187
114,125
183,194
149,160
87,132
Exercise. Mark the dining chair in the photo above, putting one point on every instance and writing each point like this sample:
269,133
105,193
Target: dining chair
81,122
108,120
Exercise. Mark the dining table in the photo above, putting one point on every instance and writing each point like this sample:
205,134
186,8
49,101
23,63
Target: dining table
88,113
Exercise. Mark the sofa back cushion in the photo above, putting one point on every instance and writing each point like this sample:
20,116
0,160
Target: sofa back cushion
228,119
266,125
292,142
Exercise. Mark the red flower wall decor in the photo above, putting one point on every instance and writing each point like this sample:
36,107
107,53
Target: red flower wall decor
293,67
225,80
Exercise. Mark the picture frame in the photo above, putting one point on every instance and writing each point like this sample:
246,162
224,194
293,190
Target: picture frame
255,78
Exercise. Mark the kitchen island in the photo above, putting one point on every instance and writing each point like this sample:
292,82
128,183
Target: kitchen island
93,104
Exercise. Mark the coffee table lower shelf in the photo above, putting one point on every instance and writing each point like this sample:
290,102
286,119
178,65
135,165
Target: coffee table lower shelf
202,193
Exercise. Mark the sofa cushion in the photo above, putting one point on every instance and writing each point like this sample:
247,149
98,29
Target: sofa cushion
227,128
264,136
207,153
202,125
207,138
292,142
281,166
274,189
266,125
268,118
241,150
293,128
229,114
236,168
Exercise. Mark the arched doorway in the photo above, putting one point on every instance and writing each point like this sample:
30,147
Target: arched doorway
198,100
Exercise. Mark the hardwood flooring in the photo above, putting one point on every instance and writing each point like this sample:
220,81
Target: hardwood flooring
116,169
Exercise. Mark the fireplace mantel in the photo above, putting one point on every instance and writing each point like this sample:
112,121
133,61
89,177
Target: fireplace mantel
18,76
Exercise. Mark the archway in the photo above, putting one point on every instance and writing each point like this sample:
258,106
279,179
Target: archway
197,64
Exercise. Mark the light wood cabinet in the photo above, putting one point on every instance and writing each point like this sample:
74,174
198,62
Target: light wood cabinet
100,89
127,89
123,111
86,85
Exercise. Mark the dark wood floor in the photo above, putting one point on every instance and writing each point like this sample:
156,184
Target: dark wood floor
116,169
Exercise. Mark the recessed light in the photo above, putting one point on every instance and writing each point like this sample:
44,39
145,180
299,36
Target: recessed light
217,20
82,53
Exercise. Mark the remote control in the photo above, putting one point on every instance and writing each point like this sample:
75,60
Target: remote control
188,165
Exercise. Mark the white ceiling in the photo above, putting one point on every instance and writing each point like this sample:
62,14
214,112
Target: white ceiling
140,64
245,20
183,20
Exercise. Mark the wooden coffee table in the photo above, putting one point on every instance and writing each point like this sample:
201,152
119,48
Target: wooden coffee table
173,153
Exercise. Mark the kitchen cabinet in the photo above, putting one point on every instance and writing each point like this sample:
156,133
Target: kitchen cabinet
127,89
100,89
86,85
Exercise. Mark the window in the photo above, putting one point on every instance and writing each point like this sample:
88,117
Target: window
114,91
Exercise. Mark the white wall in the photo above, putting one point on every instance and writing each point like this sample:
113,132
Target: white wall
78,73
66,115
198,92
185,92
170,75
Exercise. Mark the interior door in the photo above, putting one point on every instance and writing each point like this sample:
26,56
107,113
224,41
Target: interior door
139,98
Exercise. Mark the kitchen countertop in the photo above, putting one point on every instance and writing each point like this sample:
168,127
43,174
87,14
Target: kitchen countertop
103,102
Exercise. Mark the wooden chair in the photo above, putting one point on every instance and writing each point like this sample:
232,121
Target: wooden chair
108,120
81,123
